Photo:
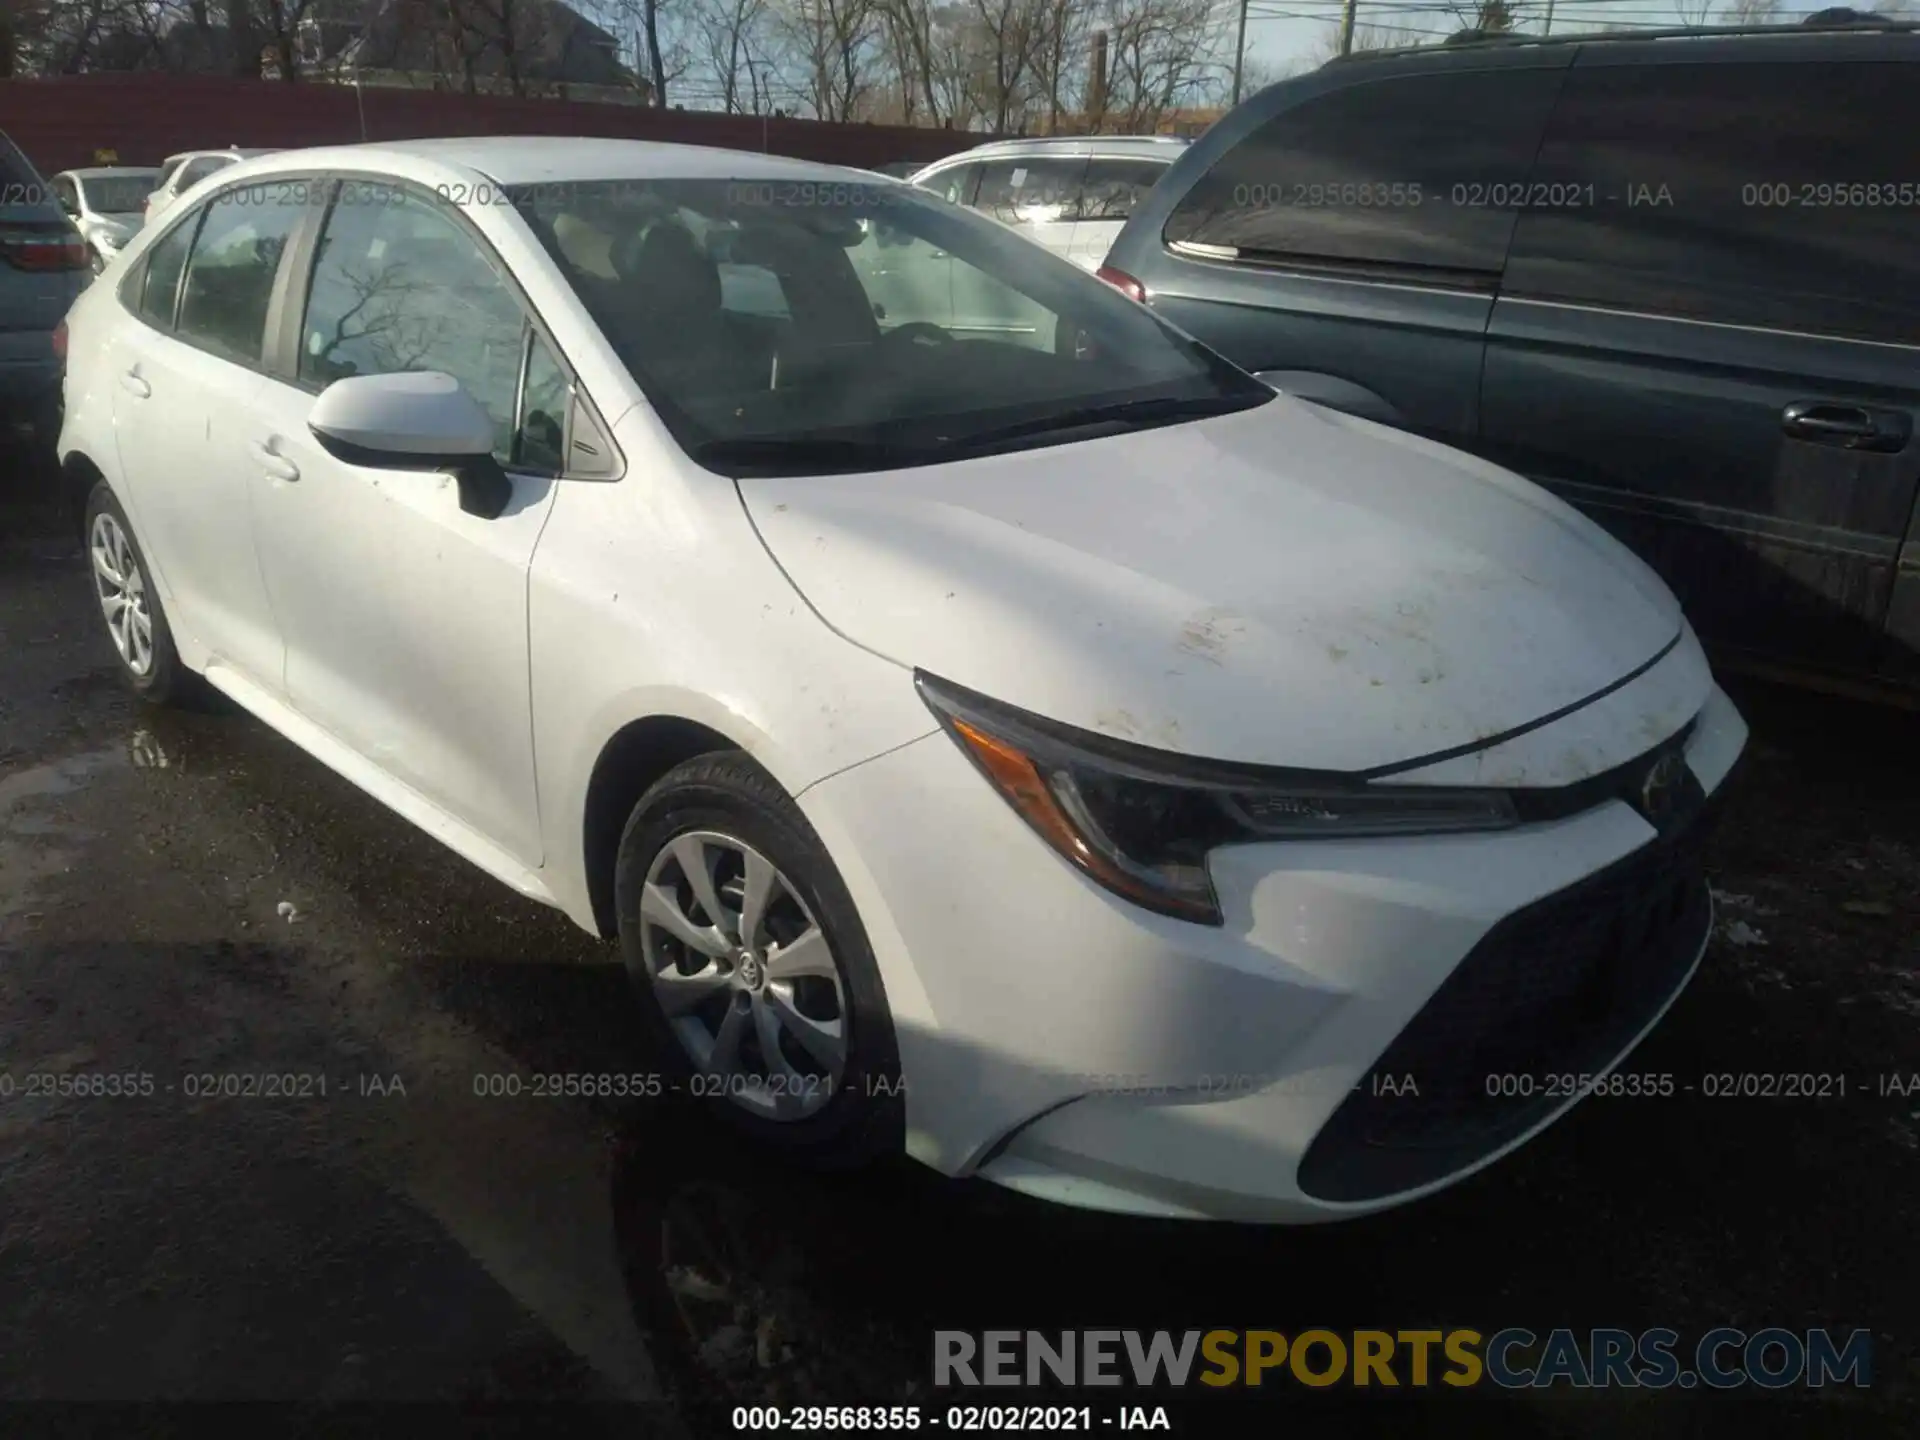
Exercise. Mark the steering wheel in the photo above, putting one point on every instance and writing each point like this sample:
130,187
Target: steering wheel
918,332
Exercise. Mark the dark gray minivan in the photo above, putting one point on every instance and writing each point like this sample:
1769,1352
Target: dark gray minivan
1675,280
43,268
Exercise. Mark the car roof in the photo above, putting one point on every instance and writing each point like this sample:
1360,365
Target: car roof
1774,40
109,172
1136,146
532,159
216,150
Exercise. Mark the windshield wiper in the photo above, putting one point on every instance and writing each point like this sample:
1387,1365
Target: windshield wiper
1121,412
803,454
828,454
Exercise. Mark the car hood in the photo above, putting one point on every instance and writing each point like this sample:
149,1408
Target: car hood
1281,586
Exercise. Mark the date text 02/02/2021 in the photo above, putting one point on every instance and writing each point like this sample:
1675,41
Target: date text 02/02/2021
845,1419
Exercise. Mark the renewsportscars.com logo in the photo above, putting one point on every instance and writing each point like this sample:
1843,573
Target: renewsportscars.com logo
1721,1359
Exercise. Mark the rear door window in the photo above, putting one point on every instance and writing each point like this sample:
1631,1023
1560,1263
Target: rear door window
1424,173
1032,190
1775,195
223,302
1114,187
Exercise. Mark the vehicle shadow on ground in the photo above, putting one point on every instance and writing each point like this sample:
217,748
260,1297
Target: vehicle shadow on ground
759,1284
1686,1212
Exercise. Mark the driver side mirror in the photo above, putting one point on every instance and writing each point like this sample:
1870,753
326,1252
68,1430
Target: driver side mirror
414,420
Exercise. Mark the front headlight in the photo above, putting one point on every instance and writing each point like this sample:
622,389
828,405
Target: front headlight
1142,822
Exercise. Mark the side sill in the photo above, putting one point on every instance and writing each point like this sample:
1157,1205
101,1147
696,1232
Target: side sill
405,801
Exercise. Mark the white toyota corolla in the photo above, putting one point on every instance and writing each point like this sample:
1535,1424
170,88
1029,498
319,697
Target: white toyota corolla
990,723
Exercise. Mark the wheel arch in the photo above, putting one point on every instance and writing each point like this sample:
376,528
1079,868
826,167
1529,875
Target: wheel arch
630,761
79,473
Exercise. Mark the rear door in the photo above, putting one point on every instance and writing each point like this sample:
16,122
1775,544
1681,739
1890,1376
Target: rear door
1349,248
186,378
1710,339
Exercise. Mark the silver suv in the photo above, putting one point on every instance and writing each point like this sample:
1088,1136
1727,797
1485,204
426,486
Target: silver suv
43,268
1068,193
180,173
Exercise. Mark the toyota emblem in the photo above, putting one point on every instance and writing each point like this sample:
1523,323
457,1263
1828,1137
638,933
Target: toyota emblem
1660,788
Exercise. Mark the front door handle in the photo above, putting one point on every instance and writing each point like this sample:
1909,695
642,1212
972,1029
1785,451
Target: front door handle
1851,427
131,382
277,466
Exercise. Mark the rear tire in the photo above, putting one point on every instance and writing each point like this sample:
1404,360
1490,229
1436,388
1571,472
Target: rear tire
763,998
129,606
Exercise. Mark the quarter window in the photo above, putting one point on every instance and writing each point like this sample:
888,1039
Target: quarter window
1114,187
161,285
399,285
956,184
1423,174
539,445
200,169
223,301
1765,194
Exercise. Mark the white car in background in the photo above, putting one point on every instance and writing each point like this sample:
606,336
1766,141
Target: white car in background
180,173
1069,194
1051,751
105,204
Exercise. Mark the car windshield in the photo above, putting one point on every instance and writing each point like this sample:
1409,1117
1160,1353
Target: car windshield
805,327
117,194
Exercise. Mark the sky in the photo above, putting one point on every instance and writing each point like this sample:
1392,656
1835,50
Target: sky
1292,33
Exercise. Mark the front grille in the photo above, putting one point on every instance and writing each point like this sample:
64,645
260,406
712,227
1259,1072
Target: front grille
1557,989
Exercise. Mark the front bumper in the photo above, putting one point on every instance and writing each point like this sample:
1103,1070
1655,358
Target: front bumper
1059,1041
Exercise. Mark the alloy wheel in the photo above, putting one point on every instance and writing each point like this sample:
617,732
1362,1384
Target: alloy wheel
122,591
744,975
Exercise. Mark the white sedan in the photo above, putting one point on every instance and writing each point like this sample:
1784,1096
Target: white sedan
1048,750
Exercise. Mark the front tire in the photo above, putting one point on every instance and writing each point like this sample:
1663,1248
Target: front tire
751,966
130,606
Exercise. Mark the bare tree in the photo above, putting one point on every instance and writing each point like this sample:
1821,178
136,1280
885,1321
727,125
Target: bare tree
1060,33
280,23
1750,12
833,45
732,40
1004,55
1496,17
1162,55
909,27
1365,37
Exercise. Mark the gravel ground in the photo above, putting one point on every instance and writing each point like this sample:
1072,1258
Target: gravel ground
373,1245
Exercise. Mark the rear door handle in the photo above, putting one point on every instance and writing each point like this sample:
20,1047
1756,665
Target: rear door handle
277,466
1851,427
131,382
